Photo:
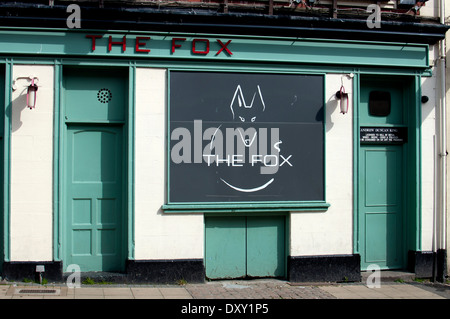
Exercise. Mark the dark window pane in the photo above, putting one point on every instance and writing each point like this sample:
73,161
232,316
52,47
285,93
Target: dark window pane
379,103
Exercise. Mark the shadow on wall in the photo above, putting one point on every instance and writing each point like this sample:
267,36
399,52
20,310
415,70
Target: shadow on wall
20,104
331,105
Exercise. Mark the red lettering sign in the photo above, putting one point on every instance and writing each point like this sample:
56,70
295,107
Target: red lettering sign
224,47
195,51
93,37
123,43
140,44
199,46
176,45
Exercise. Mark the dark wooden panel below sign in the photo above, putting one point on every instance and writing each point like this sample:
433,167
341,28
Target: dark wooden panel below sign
383,135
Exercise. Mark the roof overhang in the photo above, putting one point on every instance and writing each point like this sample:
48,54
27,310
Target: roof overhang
20,14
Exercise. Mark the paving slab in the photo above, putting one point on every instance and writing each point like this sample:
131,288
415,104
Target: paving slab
175,293
146,293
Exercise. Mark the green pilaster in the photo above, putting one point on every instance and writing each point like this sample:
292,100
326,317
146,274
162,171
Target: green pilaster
6,156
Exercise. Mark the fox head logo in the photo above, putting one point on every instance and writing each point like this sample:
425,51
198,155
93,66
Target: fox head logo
243,111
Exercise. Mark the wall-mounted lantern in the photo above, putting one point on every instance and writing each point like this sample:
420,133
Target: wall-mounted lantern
31,90
31,95
343,98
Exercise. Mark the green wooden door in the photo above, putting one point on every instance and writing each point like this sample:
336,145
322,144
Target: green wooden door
94,215
94,205
238,247
381,177
381,206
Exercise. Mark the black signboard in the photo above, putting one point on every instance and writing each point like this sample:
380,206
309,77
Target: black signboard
245,137
383,135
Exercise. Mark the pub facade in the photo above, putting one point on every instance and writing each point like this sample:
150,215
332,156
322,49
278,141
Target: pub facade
163,145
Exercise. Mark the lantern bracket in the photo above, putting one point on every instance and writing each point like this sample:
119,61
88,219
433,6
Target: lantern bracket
29,78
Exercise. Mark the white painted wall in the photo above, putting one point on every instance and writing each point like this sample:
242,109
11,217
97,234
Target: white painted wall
429,159
331,232
430,8
32,167
158,235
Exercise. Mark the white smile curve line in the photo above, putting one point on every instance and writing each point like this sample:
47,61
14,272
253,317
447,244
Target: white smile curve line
249,190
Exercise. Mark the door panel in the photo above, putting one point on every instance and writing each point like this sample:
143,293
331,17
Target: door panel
382,176
265,247
225,247
394,88
94,95
94,188
381,239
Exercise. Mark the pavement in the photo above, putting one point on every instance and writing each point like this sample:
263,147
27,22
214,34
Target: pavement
261,298
388,288
264,298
